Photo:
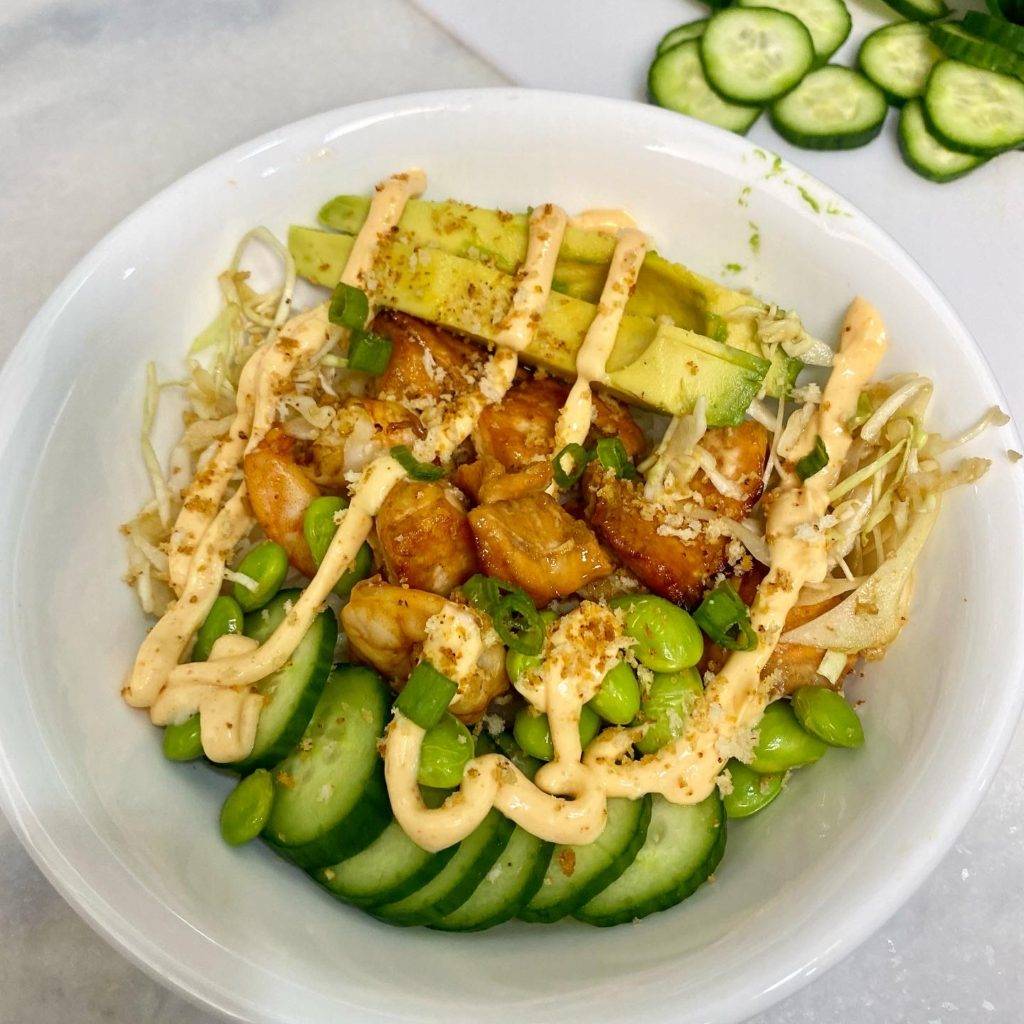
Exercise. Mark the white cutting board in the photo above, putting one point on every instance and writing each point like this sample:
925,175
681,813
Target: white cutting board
968,234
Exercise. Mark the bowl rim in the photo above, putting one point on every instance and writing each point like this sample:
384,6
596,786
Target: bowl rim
907,873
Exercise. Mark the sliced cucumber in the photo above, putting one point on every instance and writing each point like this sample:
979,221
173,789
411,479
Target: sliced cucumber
828,21
507,887
996,30
1011,10
577,873
755,54
684,845
832,108
449,889
919,10
898,59
291,693
925,154
959,44
680,34
973,110
676,82
330,801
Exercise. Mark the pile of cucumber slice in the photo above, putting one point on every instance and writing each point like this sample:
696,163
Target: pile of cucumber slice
959,84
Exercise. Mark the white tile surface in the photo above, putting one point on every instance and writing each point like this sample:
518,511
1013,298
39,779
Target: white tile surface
104,102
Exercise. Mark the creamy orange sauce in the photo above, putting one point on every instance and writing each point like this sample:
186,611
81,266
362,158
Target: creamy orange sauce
609,221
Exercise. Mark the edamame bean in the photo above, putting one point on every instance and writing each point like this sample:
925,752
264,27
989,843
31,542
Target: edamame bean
447,749
267,564
667,639
533,734
319,527
782,743
247,808
667,706
182,742
517,664
225,617
618,697
825,714
750,792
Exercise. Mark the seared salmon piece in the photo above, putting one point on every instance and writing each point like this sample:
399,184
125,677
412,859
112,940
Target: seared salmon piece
425,539
677,561
535,544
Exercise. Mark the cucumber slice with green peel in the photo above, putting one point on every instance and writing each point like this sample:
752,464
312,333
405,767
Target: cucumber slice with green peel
832,108
755,54
684,844
576,874
919,10
676,82
898,59
956,42
828,21
291,693
389,869
925,154
680,34
330,800
973,110
996,30
506,888
1011,10
457,881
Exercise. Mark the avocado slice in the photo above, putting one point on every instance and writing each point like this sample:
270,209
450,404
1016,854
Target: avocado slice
498,239
657,365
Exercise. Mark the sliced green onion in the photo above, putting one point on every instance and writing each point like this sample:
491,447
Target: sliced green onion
814,461
417,470
611,453
725,619
426,695
518,623
369,352
577,454
349,307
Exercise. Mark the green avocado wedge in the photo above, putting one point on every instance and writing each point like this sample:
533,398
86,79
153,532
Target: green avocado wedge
655,365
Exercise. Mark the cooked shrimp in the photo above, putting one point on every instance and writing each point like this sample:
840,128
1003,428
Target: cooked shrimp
386,626
534,543
280,492
363,429
426,361
425,539
646,537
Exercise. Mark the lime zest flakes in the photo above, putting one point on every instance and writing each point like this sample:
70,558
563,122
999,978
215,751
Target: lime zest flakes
755,238
732,268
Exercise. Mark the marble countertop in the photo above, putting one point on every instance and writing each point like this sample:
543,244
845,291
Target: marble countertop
104,102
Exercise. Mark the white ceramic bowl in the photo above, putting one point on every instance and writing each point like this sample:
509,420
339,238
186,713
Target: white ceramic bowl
131,840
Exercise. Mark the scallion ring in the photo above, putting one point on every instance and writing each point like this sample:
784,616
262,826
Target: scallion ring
417,470
612,454
725,619
349,307
518,623
369,352
814,461
577,455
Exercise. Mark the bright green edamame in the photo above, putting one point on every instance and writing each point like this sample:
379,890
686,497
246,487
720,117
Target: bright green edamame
267,564
825,714
225,617
182,742
667,706
447,749
247,808
533,734
750,792
518,664
782,743
667,638
319,527
618,698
